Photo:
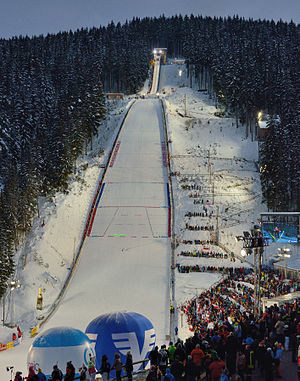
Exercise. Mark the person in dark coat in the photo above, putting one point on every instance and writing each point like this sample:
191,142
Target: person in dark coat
129,366
260,356
82,372
105,368
70,372
154,357
56,374
189,369
268,365
177,369
231,351
179,353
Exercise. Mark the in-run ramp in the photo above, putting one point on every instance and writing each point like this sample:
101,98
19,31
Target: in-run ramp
124,263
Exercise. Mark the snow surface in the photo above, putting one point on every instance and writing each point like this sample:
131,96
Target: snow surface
122,272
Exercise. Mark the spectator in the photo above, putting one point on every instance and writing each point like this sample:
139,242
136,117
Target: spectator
56,374
279,326
215,369
231,351
241,364
249,362
277,358
41,375
225,375
197,356
163,362
70,372
117,366
91,370
31,375
154,357
152,375
105,368
82,372
177,369
268,365
168,376
190,370
129,366
171,351
260,356
18,376
179,353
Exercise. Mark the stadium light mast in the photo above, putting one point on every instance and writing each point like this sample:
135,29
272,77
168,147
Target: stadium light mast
254,242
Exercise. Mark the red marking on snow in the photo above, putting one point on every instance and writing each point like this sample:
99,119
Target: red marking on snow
130,206
145,236
91,222
133,236
115,154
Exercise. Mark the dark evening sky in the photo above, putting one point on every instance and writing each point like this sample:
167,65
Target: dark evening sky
35,17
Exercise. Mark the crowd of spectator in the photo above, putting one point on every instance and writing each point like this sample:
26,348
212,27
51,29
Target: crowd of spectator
232,348
203,254
199,227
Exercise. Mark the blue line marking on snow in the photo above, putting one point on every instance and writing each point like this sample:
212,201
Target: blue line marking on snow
100,194
168,195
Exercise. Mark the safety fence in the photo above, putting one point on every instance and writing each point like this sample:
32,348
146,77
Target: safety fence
142,371
171,222
10,344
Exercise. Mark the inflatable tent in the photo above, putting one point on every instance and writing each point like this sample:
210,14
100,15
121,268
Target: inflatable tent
122,332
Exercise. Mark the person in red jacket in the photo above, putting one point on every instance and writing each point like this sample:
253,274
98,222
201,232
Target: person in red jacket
18,376
216,368
198,356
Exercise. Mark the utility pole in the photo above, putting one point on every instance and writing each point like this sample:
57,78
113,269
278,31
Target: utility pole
217,226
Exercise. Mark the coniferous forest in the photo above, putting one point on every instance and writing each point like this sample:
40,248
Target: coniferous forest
52,101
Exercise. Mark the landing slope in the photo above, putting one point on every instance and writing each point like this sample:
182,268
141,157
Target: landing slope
127,250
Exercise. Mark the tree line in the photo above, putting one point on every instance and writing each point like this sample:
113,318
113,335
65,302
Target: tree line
51,105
